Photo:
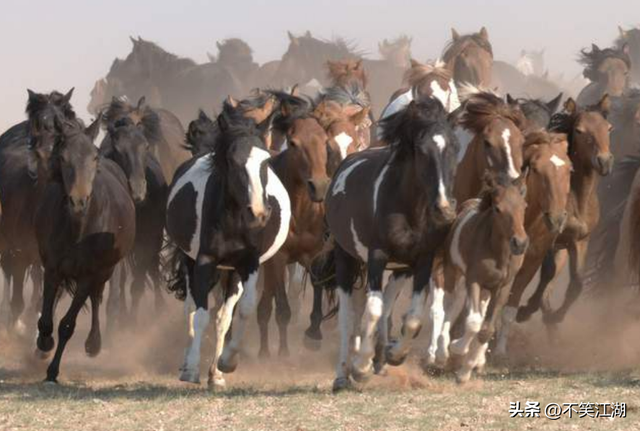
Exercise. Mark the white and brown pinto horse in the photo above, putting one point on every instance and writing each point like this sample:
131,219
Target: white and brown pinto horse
391,207
226,210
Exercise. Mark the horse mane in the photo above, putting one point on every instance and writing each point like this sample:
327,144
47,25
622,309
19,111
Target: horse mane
160,54
338,48
593,59
482,108
414,122
42,101
491,182
341,72
149,118
542,137
629,34
535,110
297,108
454,47
418,73
353,94
394,44
234,50
256,101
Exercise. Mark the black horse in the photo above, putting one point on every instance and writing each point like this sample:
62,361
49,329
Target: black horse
391,208
227,210
84,224
129,148
20,148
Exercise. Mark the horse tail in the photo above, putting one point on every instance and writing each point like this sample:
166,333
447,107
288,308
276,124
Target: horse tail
176,270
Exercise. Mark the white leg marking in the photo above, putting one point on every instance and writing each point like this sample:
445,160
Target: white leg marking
468,345
223,321
506,136
340,184
345,316
246,309
373,311
343,140
454,304
200,321
411,325
362,251
508,317
436,317
295,288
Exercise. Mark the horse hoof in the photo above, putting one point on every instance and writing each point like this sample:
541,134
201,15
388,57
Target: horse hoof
216,384
380,369
455,362
190,376
552,318
362,376
50,382
20,328
43,356
228,366
481,370
430,367
463,377
340,384
93,347
45,344
392,359
312,343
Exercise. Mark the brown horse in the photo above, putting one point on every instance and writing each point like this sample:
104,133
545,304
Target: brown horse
317,141
607,69
631,38
589,150
496,145
548,187
469,58
344,73
486,245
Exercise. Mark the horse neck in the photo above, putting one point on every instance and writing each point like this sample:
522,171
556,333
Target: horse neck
584,186
467,186
301,203
414,198
486,234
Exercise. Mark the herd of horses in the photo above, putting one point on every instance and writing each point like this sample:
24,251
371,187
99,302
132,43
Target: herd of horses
459,179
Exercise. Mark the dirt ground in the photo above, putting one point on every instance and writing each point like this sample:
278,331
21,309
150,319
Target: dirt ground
133,384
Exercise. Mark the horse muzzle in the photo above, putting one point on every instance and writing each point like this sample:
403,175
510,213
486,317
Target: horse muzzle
444,213
604,164
519,245
258,219
138,191
78,206
318,189
555,222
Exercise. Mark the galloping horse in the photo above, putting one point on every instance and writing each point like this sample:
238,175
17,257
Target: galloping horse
587,130
85,224
226,211
631,38
485,245
20,148
469,58
378,216
608,70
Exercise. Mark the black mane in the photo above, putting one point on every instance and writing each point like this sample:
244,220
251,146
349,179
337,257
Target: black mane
149,118
297,108
593,59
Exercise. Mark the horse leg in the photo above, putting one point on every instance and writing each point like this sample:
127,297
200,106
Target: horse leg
265,306
204,273
313,334
526,273
346,272
295,288
35,303
248,272
453,305
113,309
230,296
395,285
93,344
17,300
67,327
468,348
137,290
5,306
436,318
283,311
397,352
577,258
551,265
45,342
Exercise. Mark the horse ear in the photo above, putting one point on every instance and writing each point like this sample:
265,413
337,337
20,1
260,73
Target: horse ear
415,63
218,45
307,34
32,95
94,129
604,105
553,105
511,100
294,40
570,106
454,34
623,32
295,91
142,103
595,48
484,33
231,101
360,117
67,97
202,115
133,40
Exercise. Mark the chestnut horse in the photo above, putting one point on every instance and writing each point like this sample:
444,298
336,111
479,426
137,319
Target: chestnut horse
486,245
589,150
469,58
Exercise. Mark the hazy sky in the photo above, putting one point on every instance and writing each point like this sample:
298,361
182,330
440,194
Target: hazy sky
47,45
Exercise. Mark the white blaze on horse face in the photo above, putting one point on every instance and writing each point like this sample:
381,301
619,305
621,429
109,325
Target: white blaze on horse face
440,142
376,186
343,140
506,135
197,176
275,189
456,255
362,251
340,184
256,190
557,161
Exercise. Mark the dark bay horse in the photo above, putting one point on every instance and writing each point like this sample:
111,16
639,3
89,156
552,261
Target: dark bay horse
131,151
608,70
85,224
469,58
378,216
20,148
161,128
486,246
587,131
537,112
227,211
631,38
